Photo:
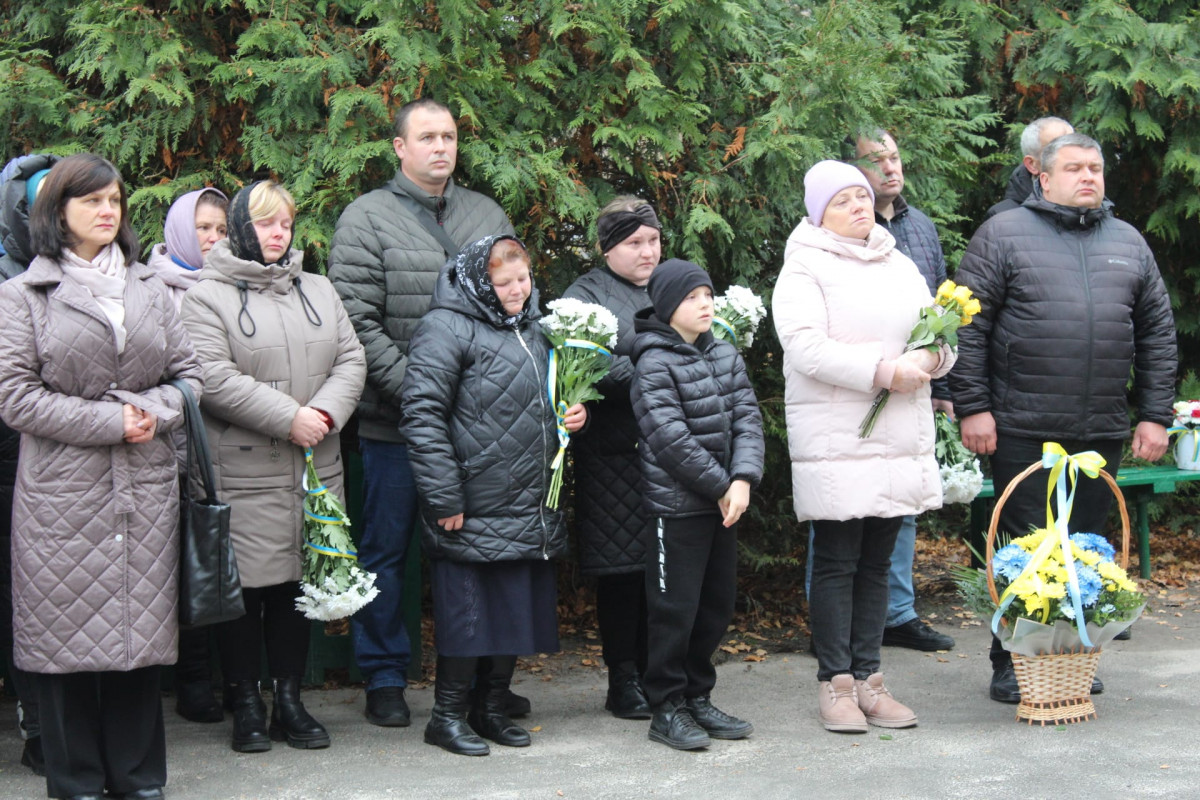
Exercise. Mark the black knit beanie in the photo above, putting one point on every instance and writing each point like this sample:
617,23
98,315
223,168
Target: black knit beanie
670,282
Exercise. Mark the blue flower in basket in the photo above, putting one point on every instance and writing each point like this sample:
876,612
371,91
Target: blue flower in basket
1095,543
1009,562
1090,583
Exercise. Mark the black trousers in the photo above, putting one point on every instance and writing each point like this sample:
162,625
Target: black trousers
194,664
848,605
1026,508
102,731
621,616
271,618
691,585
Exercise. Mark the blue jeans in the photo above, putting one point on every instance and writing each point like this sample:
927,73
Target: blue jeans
900,580
381,643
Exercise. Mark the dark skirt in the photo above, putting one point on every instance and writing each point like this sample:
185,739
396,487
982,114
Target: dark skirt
495,608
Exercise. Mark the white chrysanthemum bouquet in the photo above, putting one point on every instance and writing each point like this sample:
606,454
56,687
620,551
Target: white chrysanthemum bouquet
737,315
333,586
961,477
581,336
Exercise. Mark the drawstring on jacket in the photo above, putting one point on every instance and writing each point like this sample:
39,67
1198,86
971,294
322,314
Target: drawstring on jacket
310,311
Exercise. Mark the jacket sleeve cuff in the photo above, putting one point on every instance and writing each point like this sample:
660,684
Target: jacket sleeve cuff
884,372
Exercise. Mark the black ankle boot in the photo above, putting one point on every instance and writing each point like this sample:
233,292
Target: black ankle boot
249,718
195,702
448,728
487,716
626,698
291,722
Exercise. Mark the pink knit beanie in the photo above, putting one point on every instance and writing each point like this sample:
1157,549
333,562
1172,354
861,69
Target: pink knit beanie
824,180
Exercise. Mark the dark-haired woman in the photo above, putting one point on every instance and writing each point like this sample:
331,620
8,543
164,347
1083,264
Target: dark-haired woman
89,341
612,523
286,370
480,433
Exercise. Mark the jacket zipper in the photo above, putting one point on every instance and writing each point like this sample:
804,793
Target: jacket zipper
1087,293
545,463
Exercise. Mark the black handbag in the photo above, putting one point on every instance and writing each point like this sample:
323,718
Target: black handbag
210,589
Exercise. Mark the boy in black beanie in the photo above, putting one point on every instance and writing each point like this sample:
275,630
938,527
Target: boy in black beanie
701,446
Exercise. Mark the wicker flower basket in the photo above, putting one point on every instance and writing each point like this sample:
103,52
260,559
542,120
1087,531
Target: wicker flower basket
1055,687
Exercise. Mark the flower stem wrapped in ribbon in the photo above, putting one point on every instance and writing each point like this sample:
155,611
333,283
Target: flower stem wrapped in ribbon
937,324
581,336
333,586
737,315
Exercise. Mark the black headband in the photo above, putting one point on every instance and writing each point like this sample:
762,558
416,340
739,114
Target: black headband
612,229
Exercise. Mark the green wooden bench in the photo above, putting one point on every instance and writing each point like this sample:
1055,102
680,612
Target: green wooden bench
1138,484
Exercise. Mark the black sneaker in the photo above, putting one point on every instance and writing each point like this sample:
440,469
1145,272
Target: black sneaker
1125,635
1097,686
1004,687
673,726
916,635
717,723
386,707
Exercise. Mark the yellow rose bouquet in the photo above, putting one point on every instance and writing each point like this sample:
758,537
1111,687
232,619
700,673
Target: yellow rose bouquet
937,325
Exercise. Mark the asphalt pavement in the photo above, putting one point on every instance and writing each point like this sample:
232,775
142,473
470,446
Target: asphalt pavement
1144,743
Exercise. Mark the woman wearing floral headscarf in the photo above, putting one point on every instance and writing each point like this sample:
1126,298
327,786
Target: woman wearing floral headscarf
481,435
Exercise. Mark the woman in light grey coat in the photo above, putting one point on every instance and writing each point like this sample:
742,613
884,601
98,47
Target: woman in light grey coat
286,371
90,338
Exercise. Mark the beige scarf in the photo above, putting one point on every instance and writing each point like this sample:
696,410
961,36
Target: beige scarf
104,278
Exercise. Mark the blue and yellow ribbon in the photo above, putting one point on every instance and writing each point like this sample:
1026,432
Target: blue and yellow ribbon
1063,468
724,323
329,551
1195,434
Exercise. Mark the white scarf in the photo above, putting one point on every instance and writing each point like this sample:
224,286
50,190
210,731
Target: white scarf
104,279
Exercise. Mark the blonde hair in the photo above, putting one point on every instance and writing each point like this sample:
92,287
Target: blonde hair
267,198
623,202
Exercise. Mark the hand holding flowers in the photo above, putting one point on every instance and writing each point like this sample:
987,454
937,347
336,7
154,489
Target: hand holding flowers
937,325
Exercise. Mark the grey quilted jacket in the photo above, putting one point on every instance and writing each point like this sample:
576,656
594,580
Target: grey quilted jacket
260,366
384,264
1071,300
95,534
480,430
612,524
698,417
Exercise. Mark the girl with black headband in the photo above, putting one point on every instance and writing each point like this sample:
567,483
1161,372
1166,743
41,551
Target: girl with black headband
613,527
283,371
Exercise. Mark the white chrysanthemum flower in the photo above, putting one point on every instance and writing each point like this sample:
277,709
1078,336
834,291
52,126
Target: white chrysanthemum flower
329,601
740,311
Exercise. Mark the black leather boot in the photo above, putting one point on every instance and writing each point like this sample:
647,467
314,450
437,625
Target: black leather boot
626,698
448,728
514,704
249,718
291,722
487,715
195,702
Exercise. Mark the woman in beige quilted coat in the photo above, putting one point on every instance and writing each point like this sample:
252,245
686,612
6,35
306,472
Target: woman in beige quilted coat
90,337
286,371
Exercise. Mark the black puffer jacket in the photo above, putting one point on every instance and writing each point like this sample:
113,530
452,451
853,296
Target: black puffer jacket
699,420
917,237
479,427
1020,186
612,524
1071,299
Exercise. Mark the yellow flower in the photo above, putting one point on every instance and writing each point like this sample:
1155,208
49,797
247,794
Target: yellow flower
1031,541
1111,572
945,292
962,295
1089,557
971,307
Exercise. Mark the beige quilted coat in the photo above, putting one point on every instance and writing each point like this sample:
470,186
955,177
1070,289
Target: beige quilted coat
95,520
256,385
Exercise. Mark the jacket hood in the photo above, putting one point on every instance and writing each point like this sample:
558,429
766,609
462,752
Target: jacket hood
14,207
450,294
222,265
877,247
652,333
1068,217
169,272
1020,185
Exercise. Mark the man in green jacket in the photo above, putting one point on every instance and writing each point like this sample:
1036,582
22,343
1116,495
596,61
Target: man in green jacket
387,251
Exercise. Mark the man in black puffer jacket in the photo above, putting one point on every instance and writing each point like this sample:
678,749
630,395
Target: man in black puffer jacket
1034,138
1071,300
701,444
